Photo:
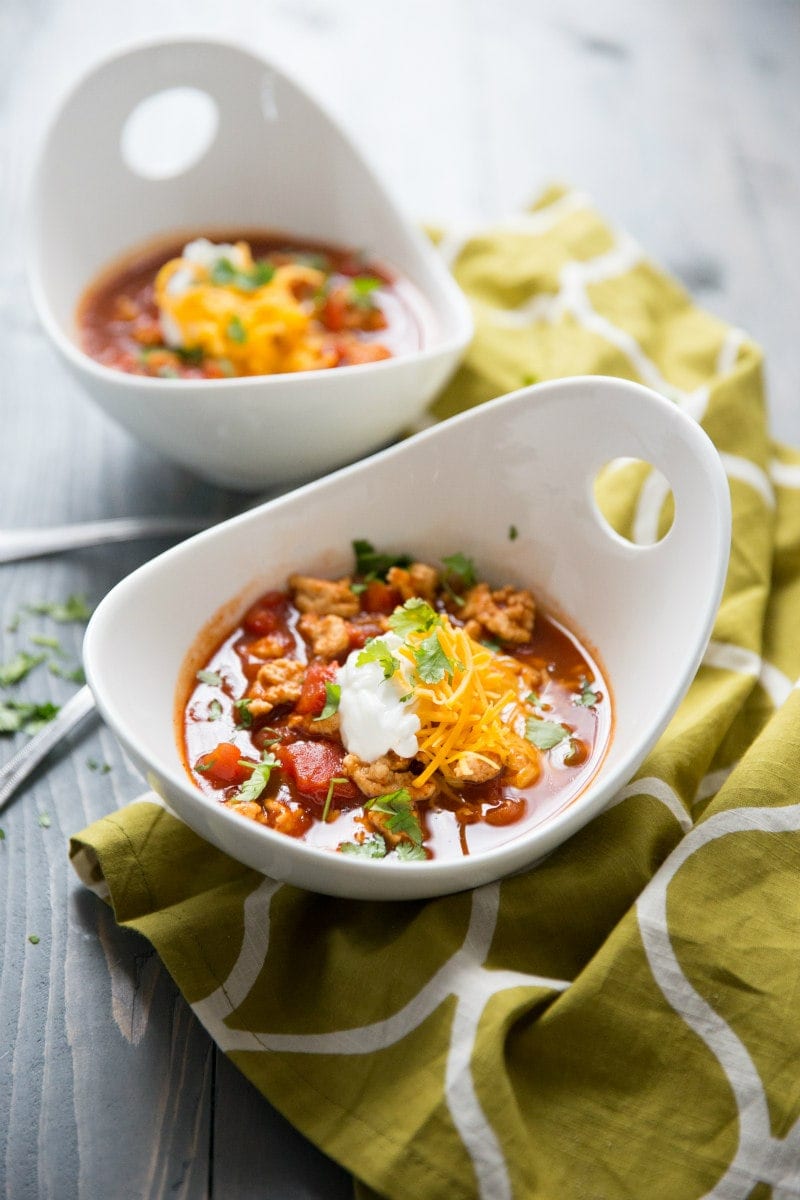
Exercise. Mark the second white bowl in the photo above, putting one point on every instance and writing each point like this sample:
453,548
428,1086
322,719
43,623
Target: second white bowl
276,162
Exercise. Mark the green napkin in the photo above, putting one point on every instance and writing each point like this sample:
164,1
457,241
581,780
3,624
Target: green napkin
622,1021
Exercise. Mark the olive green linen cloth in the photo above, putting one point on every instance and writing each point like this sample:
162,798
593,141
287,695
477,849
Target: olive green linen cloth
624,1020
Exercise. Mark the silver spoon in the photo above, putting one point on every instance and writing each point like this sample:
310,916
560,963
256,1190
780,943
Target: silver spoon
18,768
16,544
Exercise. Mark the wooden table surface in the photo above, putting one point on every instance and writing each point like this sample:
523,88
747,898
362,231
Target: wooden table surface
681,117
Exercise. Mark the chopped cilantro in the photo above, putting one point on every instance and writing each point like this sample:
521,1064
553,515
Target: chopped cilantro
17,715
224,274
72,675
588,697
2,834
407,852
39,639
399,808
362,289
358,588
331,785
371,847
432,662
333,693
44,820
244,718
18,667
75,608
33,938
415,616
214,710
462,568
212,678
204,767
263,272
252,788
377,651
94,765
532,697
529,379
545,734
491,644
192,356
236,330
513,533
372,564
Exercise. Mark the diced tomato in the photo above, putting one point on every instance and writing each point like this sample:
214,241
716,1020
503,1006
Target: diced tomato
268,614
224,765
358,634
506,812
380,597
312,766
356,353
334,311
312,697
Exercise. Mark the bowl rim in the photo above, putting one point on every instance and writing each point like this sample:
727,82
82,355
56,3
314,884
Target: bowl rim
457,307
535,842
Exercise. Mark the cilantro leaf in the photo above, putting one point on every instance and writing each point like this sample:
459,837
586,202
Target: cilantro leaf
432,662
333,694
44,821
94,765
236,330
18,667
513,533
588,697
72,675
331,786
362,288
212,678
17,715
545,734
39,639
462,567
374,565
214,710
407,852
34,939
74,609
399,807
415,616
371,847
244,718
252,788
378,652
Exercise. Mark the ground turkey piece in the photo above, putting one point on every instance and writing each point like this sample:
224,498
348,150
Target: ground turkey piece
324,596
329,636
419,580
269,646
277,682
508,613
386,774
476,768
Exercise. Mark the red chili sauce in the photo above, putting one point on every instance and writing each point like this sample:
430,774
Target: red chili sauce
362,310
312,794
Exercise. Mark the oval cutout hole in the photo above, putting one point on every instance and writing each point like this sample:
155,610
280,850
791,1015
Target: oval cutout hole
634,500
168,132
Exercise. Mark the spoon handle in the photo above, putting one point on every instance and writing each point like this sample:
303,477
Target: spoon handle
18,768
16,544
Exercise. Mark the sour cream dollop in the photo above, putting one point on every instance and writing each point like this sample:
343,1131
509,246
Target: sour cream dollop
372,718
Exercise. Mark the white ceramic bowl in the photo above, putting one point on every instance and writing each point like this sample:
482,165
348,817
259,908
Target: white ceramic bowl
529,460
276,162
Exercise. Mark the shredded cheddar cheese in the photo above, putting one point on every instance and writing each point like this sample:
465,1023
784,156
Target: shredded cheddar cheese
471,711
259,328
